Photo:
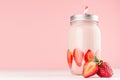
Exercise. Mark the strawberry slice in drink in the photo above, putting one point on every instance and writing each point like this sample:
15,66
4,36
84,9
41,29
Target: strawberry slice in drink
89,56
69,58
78,56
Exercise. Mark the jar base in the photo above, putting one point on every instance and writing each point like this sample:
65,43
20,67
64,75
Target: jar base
76,72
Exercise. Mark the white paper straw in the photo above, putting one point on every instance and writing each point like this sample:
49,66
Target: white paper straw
86,9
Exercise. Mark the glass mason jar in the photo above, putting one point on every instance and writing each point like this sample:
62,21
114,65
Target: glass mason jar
84,36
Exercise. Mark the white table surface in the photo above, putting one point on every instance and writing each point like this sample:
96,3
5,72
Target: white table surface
49,75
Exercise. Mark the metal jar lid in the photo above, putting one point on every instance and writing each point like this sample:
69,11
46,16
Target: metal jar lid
88,17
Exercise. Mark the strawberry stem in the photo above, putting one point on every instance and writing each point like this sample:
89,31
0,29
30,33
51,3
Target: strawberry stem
98,61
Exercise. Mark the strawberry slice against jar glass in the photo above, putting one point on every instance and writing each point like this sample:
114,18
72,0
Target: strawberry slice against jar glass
78,56
69,58
89,56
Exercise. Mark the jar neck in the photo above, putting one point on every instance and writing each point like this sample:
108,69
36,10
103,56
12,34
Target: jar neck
77,23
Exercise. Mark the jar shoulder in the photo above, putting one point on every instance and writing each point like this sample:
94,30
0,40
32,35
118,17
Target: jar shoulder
85,28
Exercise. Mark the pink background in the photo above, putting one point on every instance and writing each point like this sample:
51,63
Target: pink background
33,33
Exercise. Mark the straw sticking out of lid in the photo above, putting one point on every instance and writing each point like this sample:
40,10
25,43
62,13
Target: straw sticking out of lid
86,9
85,16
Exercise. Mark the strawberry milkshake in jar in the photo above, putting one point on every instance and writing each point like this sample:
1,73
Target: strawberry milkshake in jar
84,41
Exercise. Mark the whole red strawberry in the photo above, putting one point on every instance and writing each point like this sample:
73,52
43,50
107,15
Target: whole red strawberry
105,70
